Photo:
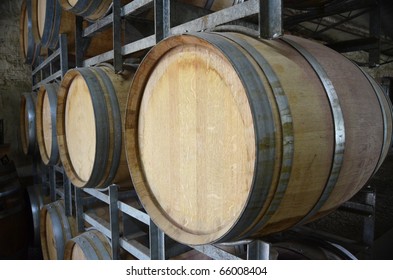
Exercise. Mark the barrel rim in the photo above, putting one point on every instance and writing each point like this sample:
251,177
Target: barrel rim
56,212
27,106
87,8
88,242
49,90
101,123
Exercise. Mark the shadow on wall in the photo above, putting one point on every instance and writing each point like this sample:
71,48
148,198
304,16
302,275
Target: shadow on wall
15,77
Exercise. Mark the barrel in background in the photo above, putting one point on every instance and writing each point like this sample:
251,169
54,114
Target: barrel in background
49,20
28,123
225,140
90,245
55,229
46,113
91,10
90,118
29,48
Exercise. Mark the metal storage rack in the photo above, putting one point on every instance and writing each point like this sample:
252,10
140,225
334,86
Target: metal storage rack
269,14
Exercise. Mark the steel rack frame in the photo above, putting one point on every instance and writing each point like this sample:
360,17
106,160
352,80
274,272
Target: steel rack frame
370,40
48,70
269,17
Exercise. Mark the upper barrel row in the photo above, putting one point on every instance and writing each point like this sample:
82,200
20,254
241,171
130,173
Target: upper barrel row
43,20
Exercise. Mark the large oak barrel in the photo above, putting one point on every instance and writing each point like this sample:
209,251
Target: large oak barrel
55,229
230,137
28,123
46,112
49,20
13,215
91,110
90,245
306,4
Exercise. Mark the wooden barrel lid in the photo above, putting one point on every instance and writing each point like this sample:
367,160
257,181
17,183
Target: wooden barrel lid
47,124
41,16
196,140
80,128
50,238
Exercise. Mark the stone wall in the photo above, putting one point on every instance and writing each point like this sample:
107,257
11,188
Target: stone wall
15,76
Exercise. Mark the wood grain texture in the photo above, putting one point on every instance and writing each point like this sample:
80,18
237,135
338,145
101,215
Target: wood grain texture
194,135
80,128
210,165
46,111
91,111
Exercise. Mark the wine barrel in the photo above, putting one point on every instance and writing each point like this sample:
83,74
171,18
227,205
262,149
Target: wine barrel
30,50
306,4
36,200
46,110
310,250
49,21
90,245
55,229
90,116
28,123
91,10
13,216
230,137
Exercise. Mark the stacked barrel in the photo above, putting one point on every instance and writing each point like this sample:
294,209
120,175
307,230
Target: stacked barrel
218,133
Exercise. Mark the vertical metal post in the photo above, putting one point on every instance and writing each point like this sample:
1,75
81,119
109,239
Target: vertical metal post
162,22
117,56
79,42
369,222
375,32
157,242
52,183
79,209
114,220
67,195
63,54
270,18
258,250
